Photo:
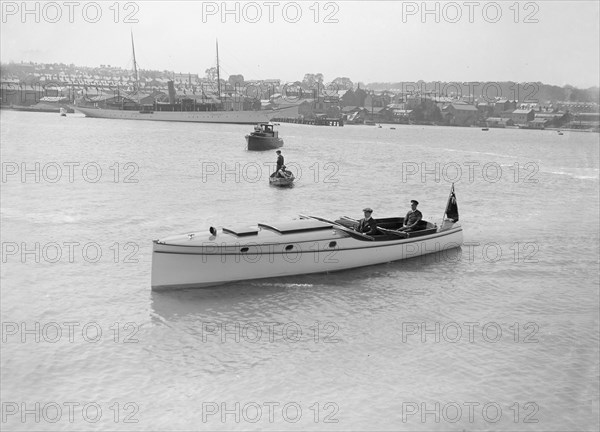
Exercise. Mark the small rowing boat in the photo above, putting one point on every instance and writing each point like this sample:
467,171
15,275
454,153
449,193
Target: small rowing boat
282,178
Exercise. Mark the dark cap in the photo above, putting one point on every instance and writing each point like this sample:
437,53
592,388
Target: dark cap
414,201
368,209
278,151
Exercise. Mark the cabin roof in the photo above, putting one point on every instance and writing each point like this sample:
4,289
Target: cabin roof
241,231
301,225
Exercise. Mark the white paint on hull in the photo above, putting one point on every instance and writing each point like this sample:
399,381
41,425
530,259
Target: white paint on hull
238,117
177,266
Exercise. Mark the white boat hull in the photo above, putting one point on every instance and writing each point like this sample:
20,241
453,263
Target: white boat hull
183,261
236,117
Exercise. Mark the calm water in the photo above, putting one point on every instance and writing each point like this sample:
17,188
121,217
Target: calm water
501,336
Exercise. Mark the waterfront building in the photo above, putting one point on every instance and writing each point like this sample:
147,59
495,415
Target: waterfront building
504,106
522,116
460,114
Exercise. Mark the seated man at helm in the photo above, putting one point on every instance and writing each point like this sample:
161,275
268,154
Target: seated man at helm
367,225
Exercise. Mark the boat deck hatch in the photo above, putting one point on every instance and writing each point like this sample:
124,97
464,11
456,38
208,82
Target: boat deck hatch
241,231
302,225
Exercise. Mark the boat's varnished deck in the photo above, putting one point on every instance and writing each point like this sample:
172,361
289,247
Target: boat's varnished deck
303,230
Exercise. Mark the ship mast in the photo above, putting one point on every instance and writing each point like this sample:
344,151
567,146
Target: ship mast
135,70
218,76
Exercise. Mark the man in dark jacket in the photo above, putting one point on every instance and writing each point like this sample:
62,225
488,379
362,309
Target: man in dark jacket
279,160
279,164
367,225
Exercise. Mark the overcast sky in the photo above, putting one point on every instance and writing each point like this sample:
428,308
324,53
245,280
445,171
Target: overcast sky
554,42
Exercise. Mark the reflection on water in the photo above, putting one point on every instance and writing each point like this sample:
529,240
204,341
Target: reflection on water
247,298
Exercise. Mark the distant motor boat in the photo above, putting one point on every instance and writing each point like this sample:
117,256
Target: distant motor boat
485,129
560,133
264,137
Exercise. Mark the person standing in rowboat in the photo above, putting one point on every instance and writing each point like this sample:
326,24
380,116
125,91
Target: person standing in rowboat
279,163
367,225
413,218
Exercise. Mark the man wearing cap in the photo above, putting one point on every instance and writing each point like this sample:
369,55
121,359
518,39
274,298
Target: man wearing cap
413,218
367,225
279,163
279,160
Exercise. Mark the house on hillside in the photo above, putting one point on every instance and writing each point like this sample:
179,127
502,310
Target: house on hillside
504,106
374,100
456,114
522,116
325,105
348,99
485,109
